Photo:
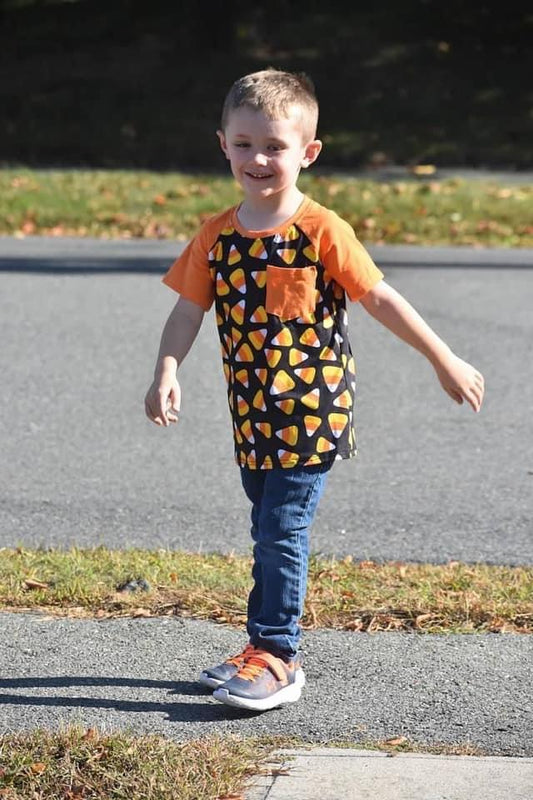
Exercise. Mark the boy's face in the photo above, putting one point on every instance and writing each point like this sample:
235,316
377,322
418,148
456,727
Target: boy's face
266,155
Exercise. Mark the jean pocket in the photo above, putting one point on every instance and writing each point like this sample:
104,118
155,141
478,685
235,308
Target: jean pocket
291,292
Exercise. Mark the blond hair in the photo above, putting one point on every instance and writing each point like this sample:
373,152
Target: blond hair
274,93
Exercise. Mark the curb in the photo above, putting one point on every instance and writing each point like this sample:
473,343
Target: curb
64,255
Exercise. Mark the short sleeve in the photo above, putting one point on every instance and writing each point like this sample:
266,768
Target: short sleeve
346,260
190,275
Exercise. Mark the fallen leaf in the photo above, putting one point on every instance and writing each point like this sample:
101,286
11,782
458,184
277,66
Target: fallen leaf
423,169
38,768
354,625
231,797
396,740
421,619
173,577
141,612
160,200
29,583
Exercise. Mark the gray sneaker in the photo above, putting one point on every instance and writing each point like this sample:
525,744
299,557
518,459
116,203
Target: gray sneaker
263,682
215,676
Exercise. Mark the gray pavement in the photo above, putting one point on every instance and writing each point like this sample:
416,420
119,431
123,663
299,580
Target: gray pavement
82,465
141,674
320,774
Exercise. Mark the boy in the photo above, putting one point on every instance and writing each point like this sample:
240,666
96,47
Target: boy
278,268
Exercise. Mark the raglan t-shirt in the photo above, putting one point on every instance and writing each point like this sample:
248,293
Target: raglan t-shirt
280,303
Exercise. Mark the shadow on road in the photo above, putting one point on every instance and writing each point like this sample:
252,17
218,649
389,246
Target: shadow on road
175,711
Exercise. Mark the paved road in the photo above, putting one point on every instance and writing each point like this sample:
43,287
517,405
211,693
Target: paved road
80,324
142,673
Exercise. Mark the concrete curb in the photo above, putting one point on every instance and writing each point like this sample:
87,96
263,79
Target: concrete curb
331,774
58,255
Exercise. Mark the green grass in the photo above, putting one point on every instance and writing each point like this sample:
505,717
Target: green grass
86,764
342,594
77,764
119,204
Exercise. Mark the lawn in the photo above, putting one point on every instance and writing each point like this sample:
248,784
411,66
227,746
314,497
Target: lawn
128,205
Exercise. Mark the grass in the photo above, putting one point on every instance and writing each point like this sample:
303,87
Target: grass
86,764
342,594
78,764
121,204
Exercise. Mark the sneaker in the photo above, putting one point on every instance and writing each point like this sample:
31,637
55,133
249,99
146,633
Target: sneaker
262,682
215,676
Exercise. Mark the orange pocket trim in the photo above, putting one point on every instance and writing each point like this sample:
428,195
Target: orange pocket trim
291,292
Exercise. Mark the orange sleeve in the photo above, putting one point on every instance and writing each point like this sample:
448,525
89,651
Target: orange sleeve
345,258
190,274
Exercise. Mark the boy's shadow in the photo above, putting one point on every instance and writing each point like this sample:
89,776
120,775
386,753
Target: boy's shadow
209,711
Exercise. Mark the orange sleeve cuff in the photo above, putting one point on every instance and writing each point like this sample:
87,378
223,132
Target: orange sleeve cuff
347,261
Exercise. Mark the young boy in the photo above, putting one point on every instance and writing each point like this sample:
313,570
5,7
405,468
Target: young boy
278,268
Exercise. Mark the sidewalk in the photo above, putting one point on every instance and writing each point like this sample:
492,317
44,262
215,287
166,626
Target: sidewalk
335,774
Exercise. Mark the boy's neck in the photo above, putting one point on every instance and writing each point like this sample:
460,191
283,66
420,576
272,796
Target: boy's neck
266,213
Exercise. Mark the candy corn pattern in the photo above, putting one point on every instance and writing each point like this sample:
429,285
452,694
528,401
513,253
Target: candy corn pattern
290,382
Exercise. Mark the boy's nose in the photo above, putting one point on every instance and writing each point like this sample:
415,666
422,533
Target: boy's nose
260,159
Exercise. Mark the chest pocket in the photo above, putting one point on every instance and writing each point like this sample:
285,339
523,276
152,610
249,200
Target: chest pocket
291,292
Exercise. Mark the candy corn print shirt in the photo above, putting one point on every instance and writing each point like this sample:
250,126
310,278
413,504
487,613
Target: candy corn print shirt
280,301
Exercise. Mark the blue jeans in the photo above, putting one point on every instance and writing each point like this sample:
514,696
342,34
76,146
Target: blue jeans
284,502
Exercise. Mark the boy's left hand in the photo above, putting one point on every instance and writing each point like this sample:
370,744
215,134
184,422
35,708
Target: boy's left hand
461,381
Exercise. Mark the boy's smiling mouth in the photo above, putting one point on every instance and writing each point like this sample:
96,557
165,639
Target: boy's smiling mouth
258,175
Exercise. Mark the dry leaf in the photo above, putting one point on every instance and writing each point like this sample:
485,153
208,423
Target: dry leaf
38,768
354,625
141,612
396,740
29,583
231,797
160,200
90,734
424,169
173,577
421,619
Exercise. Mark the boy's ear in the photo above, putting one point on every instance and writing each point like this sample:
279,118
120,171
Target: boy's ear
312,152
222,140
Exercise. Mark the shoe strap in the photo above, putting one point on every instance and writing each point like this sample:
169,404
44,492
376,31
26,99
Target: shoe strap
264,658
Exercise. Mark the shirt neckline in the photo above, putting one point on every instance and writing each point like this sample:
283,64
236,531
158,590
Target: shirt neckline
270,231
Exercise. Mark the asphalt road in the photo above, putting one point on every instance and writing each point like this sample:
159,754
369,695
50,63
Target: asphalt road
80,325
142,674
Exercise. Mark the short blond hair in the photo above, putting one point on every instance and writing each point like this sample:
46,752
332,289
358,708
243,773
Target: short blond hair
274,93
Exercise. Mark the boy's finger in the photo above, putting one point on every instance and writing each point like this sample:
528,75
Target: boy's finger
473,399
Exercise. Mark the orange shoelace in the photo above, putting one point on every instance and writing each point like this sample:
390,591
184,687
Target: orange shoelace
237,660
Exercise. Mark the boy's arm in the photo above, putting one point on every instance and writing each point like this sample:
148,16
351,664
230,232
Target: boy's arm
459,379
164,395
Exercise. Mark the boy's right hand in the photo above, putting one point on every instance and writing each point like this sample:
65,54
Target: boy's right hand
163,400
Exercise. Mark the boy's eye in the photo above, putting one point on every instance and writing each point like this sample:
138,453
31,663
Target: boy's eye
242,144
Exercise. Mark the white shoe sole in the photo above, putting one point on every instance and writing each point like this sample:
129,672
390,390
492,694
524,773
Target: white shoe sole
289,694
